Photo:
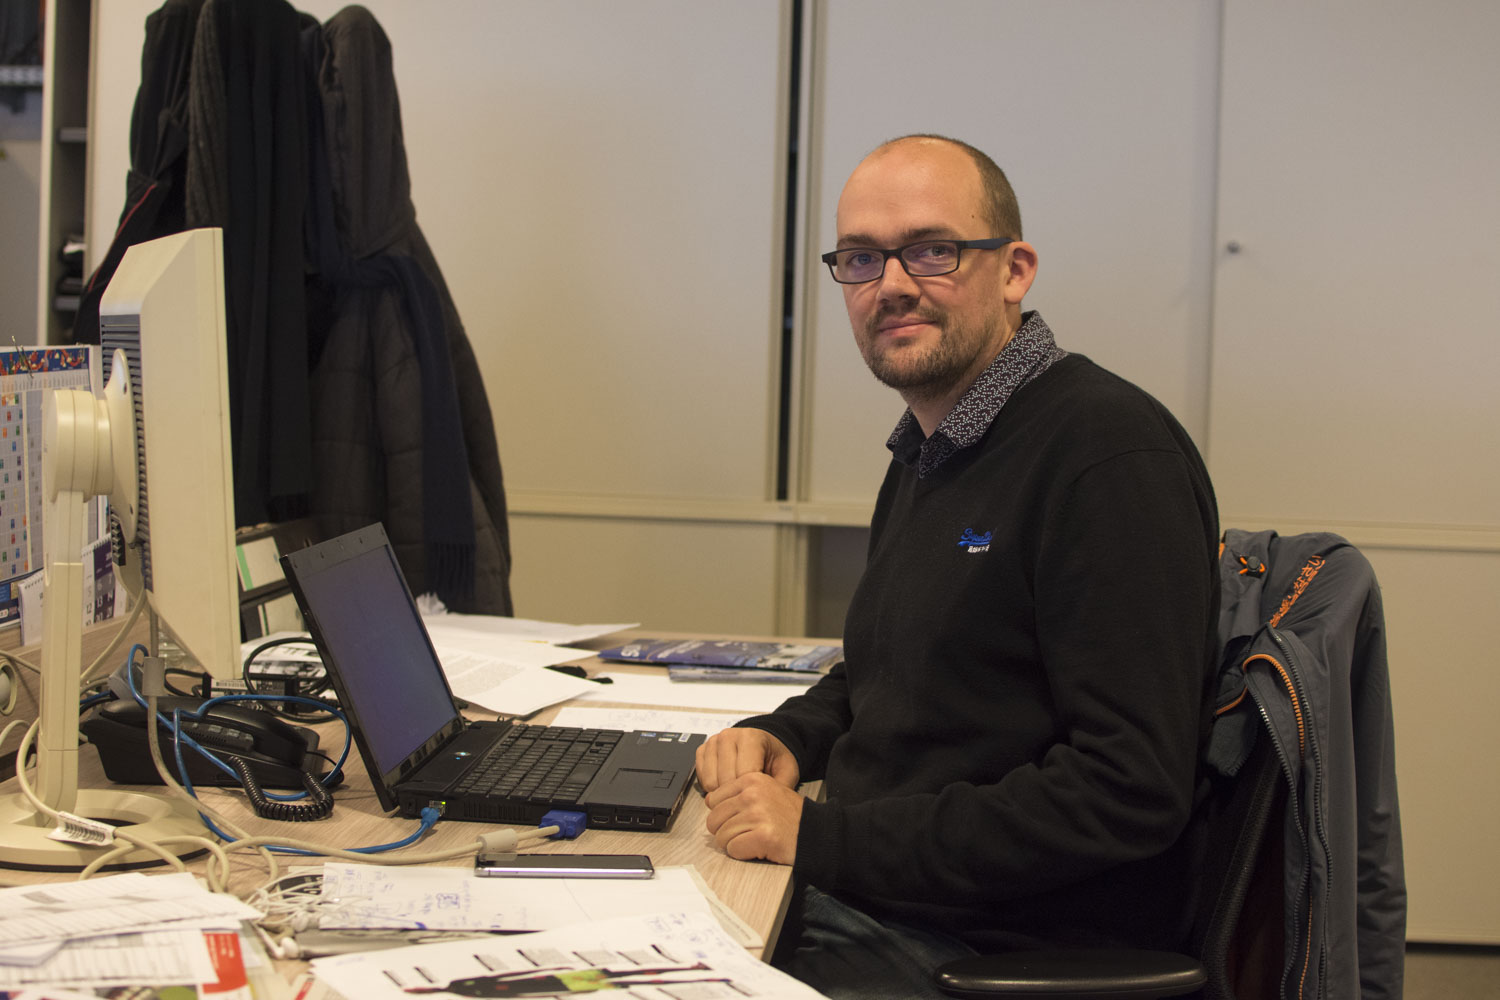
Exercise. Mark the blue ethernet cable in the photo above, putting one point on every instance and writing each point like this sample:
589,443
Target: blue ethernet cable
429,819
571,823
430,815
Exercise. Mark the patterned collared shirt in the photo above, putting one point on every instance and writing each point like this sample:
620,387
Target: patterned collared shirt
1030,352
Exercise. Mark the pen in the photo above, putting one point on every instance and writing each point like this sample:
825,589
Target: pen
580,672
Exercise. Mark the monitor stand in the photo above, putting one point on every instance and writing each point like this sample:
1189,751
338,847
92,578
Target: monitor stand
24,843
77,463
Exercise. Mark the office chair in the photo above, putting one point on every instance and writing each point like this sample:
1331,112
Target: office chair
1235,935
1305,611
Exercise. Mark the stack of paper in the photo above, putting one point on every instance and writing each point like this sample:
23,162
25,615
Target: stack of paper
123,930
492,662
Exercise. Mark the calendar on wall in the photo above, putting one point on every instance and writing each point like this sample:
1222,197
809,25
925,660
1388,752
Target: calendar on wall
26,373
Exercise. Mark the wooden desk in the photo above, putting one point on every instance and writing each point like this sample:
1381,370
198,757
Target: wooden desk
757,891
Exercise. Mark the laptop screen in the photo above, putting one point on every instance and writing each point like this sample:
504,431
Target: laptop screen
375,637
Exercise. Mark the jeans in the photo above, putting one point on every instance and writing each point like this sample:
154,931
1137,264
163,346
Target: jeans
844,953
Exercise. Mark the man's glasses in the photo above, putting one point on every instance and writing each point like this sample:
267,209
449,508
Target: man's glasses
856,265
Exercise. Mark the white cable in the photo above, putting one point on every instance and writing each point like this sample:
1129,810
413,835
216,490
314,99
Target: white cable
20,661
493,842
153,740
5,735
131,841
24,784
288,908
496,841
88,676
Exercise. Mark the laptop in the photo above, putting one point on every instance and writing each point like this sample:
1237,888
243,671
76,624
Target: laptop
417,747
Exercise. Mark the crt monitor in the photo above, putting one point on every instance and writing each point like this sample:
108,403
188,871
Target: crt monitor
164,311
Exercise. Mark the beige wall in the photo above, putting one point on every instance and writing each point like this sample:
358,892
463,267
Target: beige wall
1440,607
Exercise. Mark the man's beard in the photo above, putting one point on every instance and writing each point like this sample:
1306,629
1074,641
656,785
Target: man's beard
933,374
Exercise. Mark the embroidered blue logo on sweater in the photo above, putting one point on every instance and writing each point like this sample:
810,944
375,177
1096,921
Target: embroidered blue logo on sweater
972,541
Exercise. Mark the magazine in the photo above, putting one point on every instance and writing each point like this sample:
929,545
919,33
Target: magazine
728,653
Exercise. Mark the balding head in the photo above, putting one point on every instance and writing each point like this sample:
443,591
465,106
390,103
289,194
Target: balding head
1000,208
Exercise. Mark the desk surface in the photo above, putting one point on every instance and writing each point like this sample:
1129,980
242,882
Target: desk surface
757,891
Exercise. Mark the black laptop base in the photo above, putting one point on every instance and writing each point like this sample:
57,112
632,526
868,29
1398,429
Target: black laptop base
565,768
479,810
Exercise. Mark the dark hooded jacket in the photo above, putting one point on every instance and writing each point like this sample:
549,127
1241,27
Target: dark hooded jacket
217,138
158,151
402,427
246,173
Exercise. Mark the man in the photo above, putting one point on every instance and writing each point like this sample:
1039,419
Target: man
1009,753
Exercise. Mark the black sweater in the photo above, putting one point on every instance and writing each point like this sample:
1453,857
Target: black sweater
1010,752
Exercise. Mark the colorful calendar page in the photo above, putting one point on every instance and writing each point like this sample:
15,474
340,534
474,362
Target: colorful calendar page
26,373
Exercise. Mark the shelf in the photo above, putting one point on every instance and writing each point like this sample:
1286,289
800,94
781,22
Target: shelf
66,37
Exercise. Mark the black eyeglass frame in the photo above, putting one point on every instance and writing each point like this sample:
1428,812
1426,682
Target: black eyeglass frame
993,243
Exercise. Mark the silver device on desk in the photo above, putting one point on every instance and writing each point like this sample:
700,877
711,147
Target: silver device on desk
417,747
565,866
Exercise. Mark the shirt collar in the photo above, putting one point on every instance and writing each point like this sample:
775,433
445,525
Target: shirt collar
1030,352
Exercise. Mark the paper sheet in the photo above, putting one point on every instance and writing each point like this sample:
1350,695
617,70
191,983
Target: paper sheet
502,685
502,675
179,957
259,562
455,899
644,955
656,689
116,903
651,719
523,628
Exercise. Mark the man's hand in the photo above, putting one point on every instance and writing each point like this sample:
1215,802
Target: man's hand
755,816
730,753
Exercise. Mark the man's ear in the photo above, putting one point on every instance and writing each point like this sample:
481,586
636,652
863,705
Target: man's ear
1020,271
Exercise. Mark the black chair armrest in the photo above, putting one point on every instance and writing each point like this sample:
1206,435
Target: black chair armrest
1073,974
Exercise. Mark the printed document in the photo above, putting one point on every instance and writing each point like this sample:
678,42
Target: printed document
455,899
665,956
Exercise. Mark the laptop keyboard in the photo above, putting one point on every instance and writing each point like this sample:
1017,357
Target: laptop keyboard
540,765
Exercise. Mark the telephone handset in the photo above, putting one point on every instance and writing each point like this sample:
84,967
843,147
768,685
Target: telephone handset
265,751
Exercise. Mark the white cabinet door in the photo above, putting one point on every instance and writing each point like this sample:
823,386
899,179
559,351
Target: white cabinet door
1102,116
1357,299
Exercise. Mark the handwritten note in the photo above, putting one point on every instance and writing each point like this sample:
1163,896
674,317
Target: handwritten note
455,899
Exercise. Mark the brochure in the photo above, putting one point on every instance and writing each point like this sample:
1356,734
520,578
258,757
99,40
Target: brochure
727,653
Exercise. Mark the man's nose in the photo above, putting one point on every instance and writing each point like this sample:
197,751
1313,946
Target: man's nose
896,283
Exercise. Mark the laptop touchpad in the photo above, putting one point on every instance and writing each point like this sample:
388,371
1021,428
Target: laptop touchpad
642,780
